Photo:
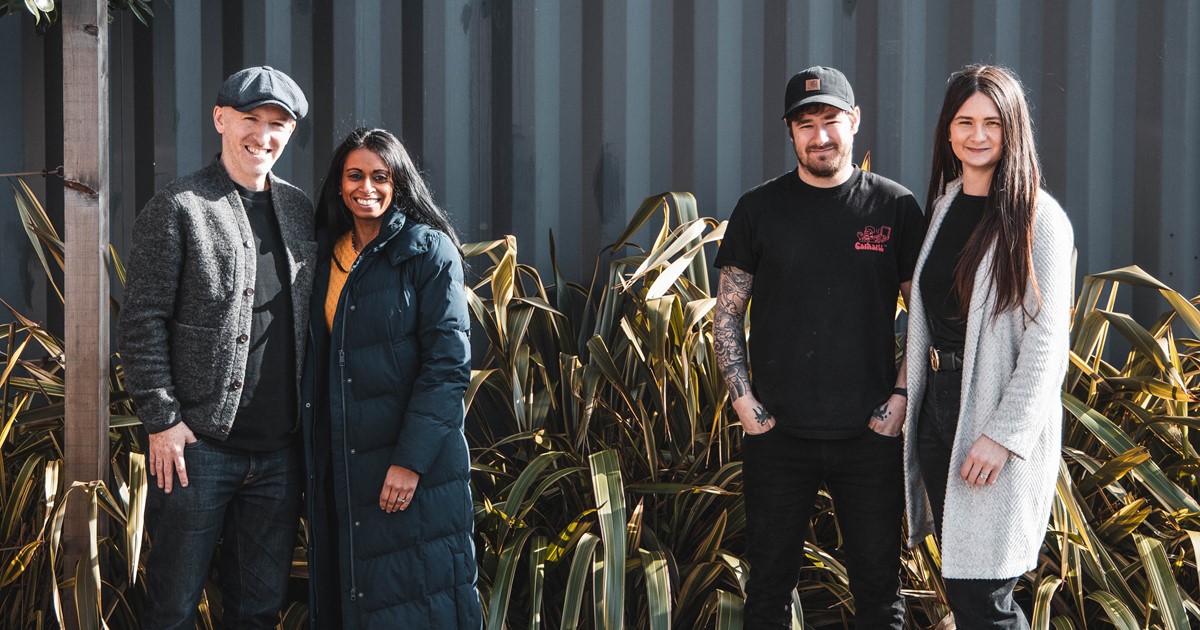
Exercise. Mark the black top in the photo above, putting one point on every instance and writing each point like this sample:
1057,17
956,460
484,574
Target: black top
266,417
943,305
827,266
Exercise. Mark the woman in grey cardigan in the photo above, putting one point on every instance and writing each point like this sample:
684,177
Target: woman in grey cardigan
989,320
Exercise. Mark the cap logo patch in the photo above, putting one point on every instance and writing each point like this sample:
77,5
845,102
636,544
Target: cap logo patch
812,85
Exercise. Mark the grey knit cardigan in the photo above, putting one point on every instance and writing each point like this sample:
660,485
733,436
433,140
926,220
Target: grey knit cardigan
1013,367
189,294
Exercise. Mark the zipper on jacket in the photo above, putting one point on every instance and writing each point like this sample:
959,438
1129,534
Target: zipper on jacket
342,386
345,442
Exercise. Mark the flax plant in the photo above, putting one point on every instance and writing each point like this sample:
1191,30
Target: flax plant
607,469
624,367
606,460
106,590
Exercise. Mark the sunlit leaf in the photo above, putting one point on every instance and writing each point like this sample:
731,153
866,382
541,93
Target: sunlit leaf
135,526
1115,468
1112,436
1117,612
577,576
502,586
1162,582
658,588
610,501
537,580
20,561
729,611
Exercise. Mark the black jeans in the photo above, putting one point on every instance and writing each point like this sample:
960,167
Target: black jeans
250,501
864,475
975,603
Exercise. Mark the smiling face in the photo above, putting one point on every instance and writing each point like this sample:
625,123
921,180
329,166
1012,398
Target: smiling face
977,136
252,141
823,140
366,184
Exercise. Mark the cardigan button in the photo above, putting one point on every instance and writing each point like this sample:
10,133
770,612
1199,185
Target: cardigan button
247,243
243,338
235,385
356,523
249,291
308,405
352,307
353,452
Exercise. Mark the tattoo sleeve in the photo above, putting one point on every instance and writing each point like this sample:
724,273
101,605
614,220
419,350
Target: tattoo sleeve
729,329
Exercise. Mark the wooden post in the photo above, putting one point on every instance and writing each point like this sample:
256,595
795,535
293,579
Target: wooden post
85,157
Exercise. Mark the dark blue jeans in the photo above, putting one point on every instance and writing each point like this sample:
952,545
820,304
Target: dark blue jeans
865,477
250,501
975,603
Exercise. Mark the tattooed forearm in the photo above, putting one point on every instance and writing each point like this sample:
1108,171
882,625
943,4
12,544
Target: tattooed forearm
761,415
729,330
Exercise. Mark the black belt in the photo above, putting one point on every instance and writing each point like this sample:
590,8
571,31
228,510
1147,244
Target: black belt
945,360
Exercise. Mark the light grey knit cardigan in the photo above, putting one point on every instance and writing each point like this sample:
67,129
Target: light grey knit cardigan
1013,366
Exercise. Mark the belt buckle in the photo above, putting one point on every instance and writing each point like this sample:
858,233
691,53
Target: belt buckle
934,361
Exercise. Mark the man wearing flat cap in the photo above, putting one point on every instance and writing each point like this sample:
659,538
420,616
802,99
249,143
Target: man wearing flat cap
822,250
212,339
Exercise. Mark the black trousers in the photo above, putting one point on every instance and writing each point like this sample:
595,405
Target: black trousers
975,603
782,475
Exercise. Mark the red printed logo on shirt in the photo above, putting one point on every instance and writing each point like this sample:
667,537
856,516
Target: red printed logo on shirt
873,238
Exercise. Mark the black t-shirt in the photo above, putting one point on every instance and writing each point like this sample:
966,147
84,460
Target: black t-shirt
266,416
827,266
943,305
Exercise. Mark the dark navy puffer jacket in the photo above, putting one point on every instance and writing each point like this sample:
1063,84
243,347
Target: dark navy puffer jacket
386,388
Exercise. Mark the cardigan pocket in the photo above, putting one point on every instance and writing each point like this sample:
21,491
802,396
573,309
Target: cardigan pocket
195,362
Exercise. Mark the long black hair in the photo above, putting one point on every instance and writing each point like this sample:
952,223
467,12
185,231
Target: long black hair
1011,204
410,192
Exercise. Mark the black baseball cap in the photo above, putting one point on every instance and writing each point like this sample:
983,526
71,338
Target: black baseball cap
262,85
818,84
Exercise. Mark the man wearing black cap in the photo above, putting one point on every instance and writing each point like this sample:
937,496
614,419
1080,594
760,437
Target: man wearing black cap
823,251
212,338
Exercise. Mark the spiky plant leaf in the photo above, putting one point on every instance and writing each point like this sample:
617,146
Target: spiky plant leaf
1162,582
610,501
658,588
537,579
577,576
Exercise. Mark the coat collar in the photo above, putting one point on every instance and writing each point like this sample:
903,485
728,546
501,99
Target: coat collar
401,238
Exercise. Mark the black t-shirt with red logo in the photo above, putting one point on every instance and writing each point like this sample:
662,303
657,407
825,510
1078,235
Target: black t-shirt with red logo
827,266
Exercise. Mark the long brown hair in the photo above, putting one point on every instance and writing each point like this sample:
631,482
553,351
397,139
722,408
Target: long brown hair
1008,213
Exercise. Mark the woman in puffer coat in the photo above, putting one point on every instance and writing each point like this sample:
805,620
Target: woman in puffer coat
389,502
987,348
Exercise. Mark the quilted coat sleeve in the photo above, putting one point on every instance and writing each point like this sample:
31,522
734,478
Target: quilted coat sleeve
435,409
1016,423
152,281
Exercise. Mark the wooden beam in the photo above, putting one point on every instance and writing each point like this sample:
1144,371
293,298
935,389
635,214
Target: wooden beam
85,157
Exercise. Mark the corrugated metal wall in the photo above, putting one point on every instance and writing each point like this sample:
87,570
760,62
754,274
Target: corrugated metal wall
539,115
